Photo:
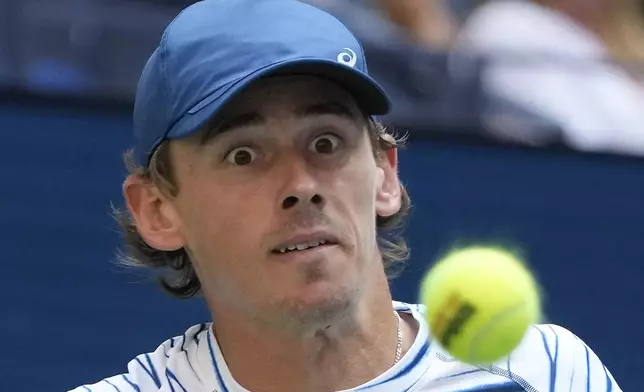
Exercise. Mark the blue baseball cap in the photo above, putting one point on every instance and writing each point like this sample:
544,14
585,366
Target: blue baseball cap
214,49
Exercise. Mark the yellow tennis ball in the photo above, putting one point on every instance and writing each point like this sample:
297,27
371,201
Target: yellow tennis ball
480,302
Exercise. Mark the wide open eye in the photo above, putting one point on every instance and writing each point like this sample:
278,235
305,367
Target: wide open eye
325,144
241,156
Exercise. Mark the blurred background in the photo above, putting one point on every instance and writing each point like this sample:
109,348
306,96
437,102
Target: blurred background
526,124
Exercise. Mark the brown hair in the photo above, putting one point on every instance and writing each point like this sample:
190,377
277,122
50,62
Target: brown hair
178,276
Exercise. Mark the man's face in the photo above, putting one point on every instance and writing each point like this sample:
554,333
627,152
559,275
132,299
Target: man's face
289,166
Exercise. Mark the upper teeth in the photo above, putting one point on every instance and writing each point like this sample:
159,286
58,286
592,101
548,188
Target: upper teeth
307,245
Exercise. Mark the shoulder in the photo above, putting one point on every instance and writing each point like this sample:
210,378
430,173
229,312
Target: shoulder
549,358
552,358
169,365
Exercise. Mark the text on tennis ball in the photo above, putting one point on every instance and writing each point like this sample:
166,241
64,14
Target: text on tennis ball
451,319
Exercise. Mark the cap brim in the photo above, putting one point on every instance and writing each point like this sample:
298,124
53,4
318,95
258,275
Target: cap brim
366,91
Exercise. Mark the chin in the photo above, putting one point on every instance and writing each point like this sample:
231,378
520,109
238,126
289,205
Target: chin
321,291
320,302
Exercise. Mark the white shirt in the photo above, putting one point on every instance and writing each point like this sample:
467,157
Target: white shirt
550,359
548,63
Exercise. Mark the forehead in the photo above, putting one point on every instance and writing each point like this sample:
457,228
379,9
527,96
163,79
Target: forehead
285,95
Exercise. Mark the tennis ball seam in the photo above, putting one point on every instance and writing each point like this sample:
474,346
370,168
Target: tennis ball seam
481,333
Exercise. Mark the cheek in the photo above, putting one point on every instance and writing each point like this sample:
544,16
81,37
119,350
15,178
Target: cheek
358,194
220,225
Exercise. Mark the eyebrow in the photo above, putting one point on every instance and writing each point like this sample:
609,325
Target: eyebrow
325,108
239,121
253,118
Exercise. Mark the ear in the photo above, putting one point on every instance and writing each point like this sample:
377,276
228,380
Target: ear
155,216
388,194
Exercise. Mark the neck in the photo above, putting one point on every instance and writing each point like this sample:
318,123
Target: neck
351,350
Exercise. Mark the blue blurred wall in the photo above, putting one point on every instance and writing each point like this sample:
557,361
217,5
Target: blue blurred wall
70,316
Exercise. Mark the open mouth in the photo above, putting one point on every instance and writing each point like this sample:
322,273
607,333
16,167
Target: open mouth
301,246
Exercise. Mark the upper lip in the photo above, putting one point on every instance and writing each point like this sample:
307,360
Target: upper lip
305,238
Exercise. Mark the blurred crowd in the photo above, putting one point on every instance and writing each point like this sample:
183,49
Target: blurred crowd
537,72
568,71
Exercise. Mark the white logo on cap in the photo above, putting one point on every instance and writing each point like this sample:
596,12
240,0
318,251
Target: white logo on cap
349,58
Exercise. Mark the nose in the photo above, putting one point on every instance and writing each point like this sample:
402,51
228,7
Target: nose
292,201
302,189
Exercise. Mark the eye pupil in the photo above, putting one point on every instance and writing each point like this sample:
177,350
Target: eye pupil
324,145
242,157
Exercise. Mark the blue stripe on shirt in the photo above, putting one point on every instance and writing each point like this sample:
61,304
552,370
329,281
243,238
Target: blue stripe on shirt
165,348
183,349
462,373
151,371
202,327
113,386
587,369
183,341
554,374
609,382
171,377
553,368
133,385
510,386
214,363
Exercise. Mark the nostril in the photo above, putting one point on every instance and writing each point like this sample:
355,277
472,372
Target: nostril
289,202
316,199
